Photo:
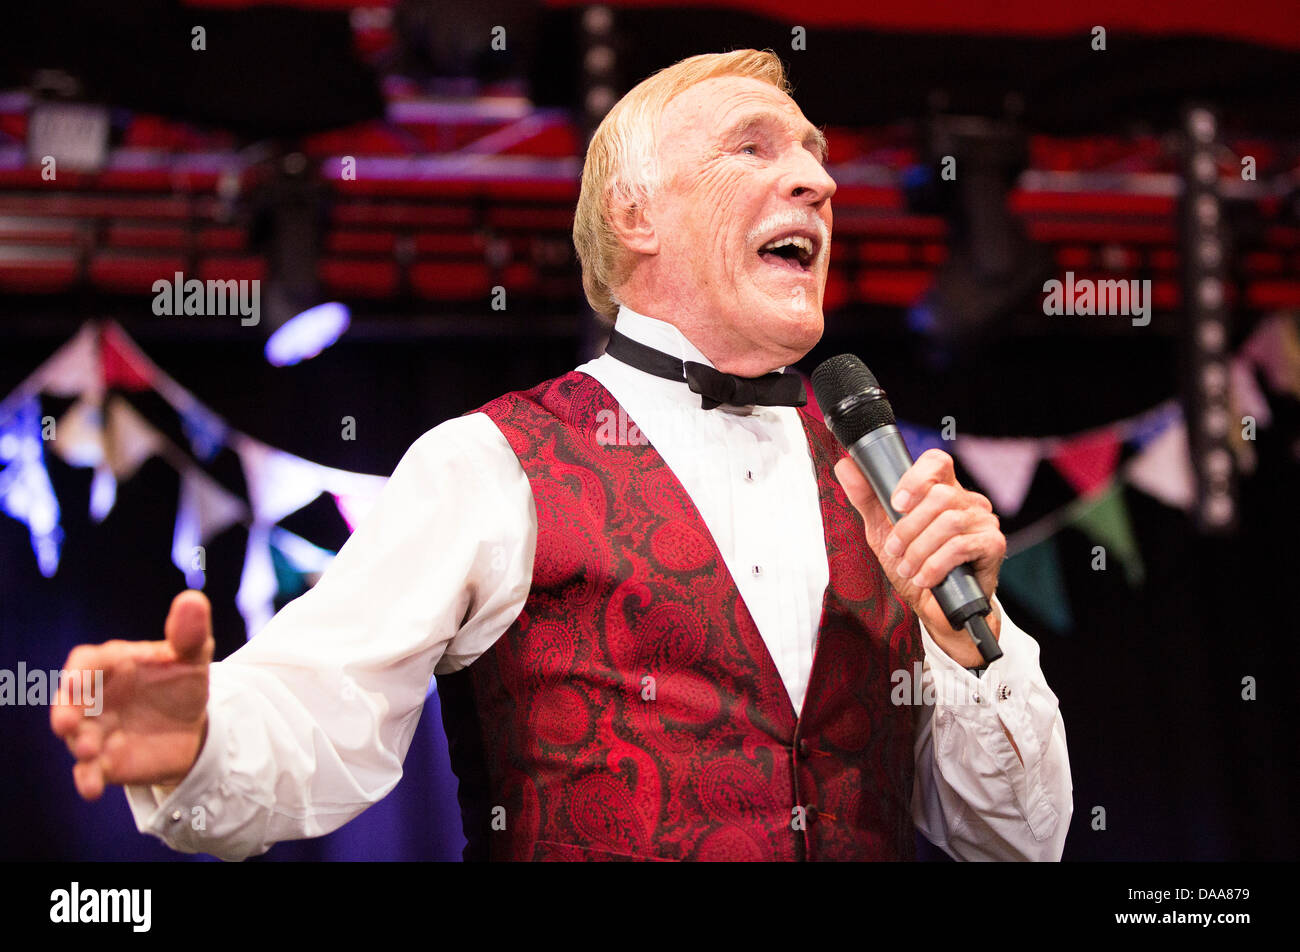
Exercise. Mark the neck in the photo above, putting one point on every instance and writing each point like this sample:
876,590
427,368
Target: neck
726,351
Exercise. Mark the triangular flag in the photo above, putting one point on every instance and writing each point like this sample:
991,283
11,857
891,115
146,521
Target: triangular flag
354,494
124,366
79,438
298,563
279,483
25,490
257,583
79,435
1141,430
1087,462
1246,405
1275,346
353,508
1004,468
75,368
919,439
1164,469
1247,398
204,509
1033,576
289,582
133,370
306,557
103,492
129,439
204,429
1104,519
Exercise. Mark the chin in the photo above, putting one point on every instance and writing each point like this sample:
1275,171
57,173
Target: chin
796,330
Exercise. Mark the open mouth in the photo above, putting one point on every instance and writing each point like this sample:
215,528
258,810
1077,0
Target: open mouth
791,252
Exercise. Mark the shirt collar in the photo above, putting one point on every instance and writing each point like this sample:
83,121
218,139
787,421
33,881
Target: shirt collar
667,338
657,334
660,335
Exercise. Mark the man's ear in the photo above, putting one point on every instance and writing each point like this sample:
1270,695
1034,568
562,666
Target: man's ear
634,223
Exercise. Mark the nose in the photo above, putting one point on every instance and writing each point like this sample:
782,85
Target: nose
808,179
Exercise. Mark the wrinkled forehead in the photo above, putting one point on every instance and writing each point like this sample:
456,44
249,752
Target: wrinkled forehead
706,113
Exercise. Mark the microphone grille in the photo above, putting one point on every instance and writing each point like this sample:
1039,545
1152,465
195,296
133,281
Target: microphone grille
841,377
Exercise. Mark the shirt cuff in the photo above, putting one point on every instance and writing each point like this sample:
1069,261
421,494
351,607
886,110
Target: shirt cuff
1012,694
179,818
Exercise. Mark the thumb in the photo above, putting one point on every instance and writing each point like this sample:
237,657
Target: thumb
189,627
864,499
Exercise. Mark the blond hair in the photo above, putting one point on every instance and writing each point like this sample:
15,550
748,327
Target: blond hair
622,161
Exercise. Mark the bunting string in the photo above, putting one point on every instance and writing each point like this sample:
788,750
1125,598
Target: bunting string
112,438
106,434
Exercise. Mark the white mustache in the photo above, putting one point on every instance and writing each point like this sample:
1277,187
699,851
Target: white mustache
788,219
792,218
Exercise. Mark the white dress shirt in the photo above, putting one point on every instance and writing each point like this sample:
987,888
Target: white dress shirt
310,720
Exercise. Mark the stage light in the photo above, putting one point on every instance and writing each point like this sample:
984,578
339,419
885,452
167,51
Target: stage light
600,59
1211,292
1202,125
600,99
1206,245
1207,211
1216,421
305,335
597,20
1210,336
1205,168
1214,379
1218,463
1219,510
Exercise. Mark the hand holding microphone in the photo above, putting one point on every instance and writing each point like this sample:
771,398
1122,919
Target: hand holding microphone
939,544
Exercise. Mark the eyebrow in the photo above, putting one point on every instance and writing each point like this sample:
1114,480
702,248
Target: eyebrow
813,137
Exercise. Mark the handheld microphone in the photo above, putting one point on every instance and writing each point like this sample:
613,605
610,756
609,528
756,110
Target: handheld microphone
858,413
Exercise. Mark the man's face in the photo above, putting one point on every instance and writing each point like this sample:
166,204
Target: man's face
743,220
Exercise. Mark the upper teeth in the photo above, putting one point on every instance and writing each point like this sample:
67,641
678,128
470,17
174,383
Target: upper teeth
805,245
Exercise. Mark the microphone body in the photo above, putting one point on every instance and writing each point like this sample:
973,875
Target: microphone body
883,458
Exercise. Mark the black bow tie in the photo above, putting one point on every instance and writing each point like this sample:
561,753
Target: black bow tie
714,387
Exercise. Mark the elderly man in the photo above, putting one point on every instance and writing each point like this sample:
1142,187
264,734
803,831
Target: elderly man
660,629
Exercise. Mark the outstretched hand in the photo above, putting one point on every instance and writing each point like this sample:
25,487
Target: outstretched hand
152,717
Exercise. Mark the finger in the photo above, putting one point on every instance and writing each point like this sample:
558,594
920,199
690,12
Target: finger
120,761
855,484
933,467
88,742
65,715
189,627
861,495
946,524
980,548
938,499
89,779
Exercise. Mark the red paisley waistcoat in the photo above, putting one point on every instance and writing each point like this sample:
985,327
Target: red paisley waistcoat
632,711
